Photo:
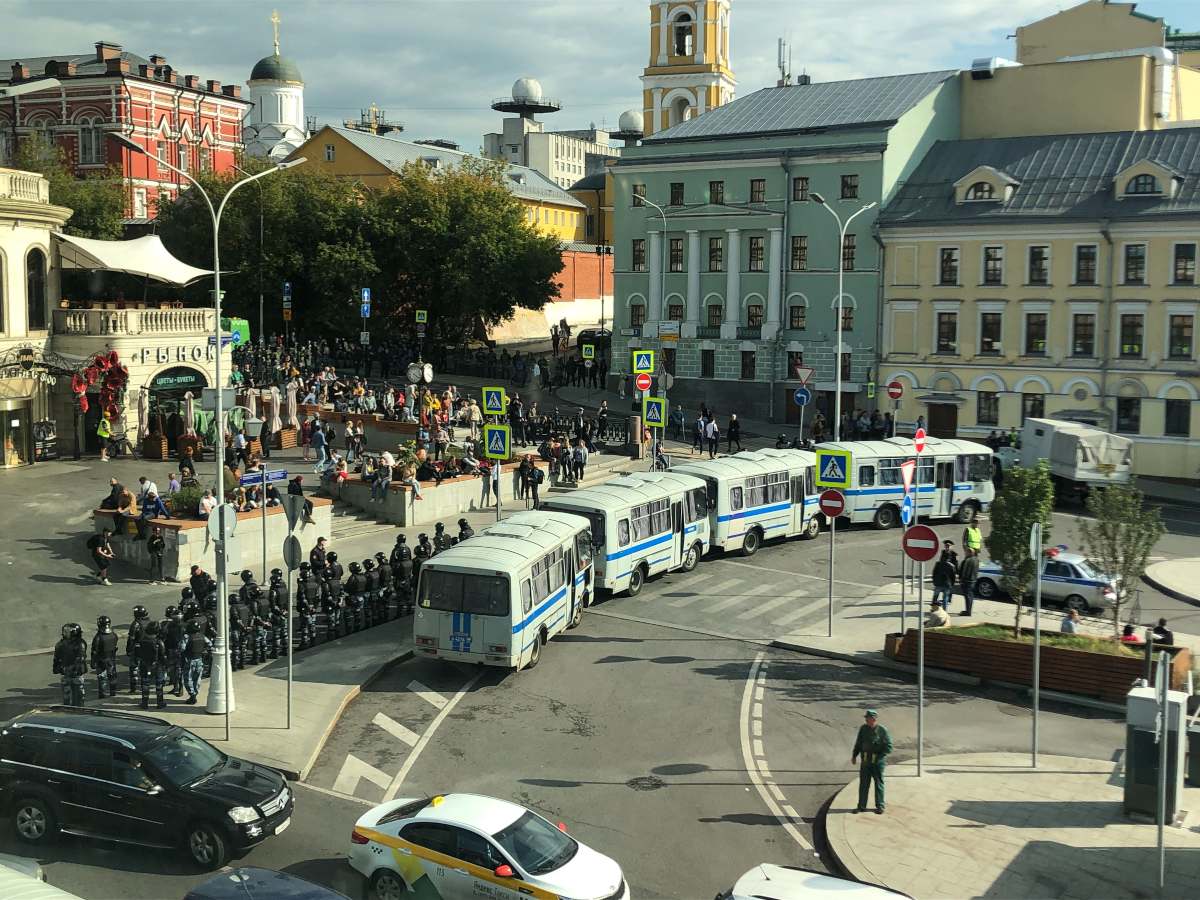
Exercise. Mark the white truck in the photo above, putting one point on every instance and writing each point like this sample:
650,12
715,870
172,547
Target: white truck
1081,456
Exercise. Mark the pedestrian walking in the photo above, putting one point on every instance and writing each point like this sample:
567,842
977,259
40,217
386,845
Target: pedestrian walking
196,647
968,574
871,746
733,434
102,554
945,574
712,434
698,433
70,663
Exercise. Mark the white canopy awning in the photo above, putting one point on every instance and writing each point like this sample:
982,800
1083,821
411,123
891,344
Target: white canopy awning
140,256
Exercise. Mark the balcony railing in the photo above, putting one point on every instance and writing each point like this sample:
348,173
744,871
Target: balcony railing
134,321
749,332
708,331
16,185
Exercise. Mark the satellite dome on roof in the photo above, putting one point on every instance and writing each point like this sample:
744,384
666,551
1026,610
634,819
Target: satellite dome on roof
276,68
527,89
631,120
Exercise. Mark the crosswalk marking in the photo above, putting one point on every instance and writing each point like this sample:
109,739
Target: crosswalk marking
764,608
395,729
427,694
353,770
801,612
709,592
740,599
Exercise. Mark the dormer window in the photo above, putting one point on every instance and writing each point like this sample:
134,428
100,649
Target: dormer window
684,39
1143,184
981,190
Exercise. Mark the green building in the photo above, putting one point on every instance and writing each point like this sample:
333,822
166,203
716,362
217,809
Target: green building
735,279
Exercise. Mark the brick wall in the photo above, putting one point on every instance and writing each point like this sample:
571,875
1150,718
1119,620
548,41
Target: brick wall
581,275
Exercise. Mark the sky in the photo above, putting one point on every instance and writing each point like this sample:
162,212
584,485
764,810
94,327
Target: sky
438,65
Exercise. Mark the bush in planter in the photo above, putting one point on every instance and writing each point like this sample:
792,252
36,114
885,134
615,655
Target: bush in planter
186,501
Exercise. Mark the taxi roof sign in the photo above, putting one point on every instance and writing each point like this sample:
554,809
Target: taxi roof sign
495,401
497,441
654,412
643,362
833,469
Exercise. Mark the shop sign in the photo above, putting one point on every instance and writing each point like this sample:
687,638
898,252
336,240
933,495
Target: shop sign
177,378
179,353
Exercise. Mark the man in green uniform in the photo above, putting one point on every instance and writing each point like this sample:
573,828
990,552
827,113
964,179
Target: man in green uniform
873,744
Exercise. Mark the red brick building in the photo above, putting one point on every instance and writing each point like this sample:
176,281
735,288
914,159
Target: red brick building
583,271
193,124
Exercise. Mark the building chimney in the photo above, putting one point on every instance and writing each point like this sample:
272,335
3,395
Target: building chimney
65,69
214,87
116,65
157,60
20,71
145,71
232,90
804,78
192,81
106,51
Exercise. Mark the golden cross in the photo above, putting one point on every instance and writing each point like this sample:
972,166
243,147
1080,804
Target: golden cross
275,27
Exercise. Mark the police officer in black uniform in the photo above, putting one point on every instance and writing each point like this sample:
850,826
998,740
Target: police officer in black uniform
333,596
152,664
464,530
371,594
277,598
70,662
172,634
402,573
308,601
203,588
239,626
384,569
196,648
104,658
441,540
423,552
250,595
140,618
356,588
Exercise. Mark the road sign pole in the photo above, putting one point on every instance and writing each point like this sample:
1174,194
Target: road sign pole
832,536
1035,553
800,433
289,640
921,670
903,592
499,470
263,506
1164,734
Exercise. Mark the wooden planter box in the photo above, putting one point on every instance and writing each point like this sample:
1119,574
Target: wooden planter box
1071,671
286,439
193,441
154,446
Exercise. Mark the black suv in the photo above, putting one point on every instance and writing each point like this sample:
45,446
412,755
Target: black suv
135,779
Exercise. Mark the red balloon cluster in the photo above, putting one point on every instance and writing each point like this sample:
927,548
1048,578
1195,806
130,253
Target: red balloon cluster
105,368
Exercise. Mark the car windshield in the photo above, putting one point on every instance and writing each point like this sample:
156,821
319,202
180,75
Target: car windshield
536,845
1087,571
182,757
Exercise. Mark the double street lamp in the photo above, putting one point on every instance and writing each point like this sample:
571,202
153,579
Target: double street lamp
220,689
837,350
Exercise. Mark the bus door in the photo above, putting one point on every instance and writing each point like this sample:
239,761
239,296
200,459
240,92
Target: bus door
680,537
574,594
797,524
943,493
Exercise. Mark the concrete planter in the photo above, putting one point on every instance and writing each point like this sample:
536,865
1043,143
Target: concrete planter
1082,672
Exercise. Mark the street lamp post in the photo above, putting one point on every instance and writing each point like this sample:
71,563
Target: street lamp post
837,349
220,688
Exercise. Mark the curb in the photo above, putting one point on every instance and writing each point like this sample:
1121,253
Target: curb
883,663
1170,592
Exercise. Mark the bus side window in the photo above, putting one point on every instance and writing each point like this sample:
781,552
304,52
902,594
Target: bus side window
583,549
735,498
700,501
809,484
866,476
526,597
622,532
797,489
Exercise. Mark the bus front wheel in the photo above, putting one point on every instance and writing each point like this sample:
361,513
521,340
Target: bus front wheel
966,512
577,614
812,529
691,558
885,517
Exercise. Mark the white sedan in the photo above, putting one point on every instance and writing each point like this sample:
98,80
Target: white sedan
770,882
459,846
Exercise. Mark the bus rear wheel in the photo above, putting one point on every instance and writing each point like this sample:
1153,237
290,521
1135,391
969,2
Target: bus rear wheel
966,512
885,517
535,655
637,578
750,542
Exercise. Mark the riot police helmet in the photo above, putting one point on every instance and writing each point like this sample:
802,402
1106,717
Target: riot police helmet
171,612
72,630
462,523
369,565
186,594
276,574
139,612
152,629
379,556
331,556
355,568
103,623
233,598
247,575
401,539
439,527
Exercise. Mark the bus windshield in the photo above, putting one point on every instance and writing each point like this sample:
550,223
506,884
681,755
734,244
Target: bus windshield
485,595
975,467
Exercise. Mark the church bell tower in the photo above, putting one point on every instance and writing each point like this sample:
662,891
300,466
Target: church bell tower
689,71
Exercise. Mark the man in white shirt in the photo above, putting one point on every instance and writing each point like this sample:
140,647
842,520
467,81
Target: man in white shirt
383,477
207,504
712,434
147,487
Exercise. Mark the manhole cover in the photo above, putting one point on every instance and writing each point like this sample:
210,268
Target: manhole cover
646,783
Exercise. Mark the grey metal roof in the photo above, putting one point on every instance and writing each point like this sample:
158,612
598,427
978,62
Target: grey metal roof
85,64
801,107
593,182
1061,176
394,152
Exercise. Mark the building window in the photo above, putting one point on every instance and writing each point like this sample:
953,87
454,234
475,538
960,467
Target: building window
795,362
676,193
754,315
849,243
799,252
758,190
1035,334
1033,406
847,317
947,332
715,315
1085,264
589,225
1129,415
1185,264
1135,263
1178,421
1083,334
797,317
676,255
708,363
161,154
1132,332
747,365
1179,337
675,312
716,254
639,255
991,325
140,210
847,365
5,148
637,315
993,265
800,189
639,195
716,192
849,187
987,408
668,356
330,153
1039,265
948,265
205,159
1142,184
981,190
91,144
35,290
183,157
756,254
684,37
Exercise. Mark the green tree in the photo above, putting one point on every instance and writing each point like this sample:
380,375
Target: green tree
1119,538
97,200
1026,498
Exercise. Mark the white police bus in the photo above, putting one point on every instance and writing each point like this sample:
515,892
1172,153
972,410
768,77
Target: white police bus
643,524
757,495
953,479
498,597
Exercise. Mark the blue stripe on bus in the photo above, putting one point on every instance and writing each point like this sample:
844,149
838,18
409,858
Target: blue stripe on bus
554,598
754,511
642,546
659,559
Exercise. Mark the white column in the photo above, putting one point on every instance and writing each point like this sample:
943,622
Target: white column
654,295
701,96
692,318
701,37
662,34
733,283
656,124
774,260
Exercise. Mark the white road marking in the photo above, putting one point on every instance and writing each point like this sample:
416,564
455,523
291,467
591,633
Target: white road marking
821,578
395,729
687,601
758,749
332,793
764,608
353,770
426,694
740,599
712,590
423,742
802,611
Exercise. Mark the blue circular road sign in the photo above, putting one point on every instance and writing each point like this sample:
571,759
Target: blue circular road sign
803,396
906,509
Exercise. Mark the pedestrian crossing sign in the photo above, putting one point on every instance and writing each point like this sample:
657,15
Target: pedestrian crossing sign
422,316
495,402
833,469
589,351
643,362
654,412
497,441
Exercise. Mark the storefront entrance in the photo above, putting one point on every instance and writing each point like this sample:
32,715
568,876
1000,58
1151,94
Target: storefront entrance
16,432
168,403
943,420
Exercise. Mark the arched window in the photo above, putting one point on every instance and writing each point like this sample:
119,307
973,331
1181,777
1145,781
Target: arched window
35,290
981,190
681,110
91,142
684,36
1143,184
43,137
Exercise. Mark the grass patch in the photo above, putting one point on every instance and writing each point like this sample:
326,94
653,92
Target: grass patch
1086,642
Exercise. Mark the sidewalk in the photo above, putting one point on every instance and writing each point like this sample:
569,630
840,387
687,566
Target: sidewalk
325,680
1055,831
1178,578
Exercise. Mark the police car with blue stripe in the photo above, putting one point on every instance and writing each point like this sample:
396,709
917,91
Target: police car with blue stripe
1067,579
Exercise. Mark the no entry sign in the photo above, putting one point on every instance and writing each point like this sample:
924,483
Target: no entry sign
642,382
919,440
920,543
833,504
895,390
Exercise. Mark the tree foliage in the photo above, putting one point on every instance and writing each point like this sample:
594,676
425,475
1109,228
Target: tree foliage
97,200
453,242
1026,498
1119,539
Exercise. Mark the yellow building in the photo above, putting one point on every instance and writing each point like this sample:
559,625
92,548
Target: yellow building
374,159
688,72
1050,276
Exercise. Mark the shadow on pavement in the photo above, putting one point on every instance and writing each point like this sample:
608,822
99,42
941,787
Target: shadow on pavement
1038,814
